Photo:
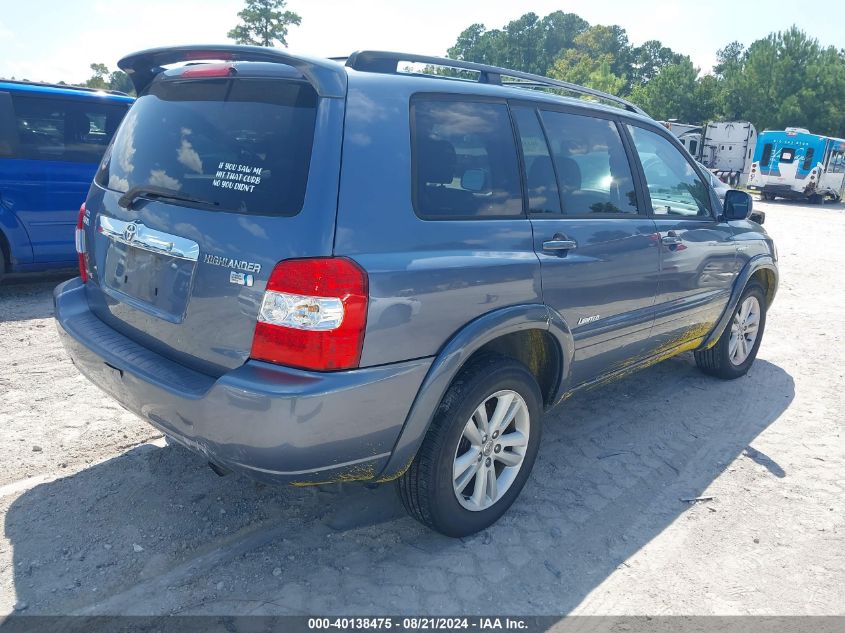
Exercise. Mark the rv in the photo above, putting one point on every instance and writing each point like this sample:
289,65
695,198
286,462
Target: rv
796,165
727,150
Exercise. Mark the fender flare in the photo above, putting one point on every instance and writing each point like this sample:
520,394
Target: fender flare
452,358
755,264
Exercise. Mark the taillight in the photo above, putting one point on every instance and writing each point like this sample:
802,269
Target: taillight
313,315
79,239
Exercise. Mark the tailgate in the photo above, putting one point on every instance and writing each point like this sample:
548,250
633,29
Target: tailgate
213,178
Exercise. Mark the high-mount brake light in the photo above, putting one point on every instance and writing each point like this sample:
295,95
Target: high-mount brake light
313,315
199,55
207,70
79,239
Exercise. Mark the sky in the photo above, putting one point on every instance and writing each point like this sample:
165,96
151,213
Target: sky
52,40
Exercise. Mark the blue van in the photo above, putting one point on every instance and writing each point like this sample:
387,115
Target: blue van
51,140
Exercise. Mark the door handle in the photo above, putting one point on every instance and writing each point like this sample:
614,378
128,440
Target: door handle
559,243
671,239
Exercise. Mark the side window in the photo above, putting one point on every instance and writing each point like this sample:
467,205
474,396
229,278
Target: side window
64,130
464,160
808,159
674,186
767,154
592,168
8,129
540,179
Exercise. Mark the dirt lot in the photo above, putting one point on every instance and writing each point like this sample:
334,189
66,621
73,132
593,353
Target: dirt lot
99,516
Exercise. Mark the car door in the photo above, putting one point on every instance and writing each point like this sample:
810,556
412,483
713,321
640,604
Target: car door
698,262
597,247
59,143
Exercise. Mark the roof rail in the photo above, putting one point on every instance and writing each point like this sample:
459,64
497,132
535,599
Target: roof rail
45,84
327,77
387,62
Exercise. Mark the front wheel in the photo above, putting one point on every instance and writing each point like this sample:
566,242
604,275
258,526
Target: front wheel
735,351
479,450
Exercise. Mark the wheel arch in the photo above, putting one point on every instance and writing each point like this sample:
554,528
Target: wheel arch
530,333
761,269
14,239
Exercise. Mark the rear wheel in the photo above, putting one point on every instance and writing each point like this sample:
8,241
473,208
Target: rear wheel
479,451
735,351
817,198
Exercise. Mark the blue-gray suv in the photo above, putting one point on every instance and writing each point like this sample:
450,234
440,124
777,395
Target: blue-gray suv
388,267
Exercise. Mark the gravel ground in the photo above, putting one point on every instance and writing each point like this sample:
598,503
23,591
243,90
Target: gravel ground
100,516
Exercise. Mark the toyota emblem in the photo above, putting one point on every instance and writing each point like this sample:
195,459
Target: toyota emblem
130,231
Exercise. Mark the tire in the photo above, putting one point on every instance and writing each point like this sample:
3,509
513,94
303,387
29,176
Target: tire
817,198
725,361
428,488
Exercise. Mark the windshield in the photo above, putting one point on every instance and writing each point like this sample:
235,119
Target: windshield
240,144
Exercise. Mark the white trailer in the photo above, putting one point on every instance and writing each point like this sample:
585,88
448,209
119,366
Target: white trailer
727,150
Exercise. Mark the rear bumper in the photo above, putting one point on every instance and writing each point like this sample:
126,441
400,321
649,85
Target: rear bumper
273,423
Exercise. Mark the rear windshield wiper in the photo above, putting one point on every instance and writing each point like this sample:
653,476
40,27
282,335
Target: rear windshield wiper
159,193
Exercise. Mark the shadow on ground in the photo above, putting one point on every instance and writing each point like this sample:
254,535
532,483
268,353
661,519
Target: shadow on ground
154,531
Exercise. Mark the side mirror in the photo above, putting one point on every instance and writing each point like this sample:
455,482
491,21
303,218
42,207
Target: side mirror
738,205
474,180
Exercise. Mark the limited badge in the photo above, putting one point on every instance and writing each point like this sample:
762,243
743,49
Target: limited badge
242,279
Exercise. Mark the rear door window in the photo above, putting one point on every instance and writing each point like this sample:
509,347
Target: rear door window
464,160
592,167
540,178
63,129
240,145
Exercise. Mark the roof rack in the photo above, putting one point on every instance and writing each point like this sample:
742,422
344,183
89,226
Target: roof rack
387,63
44,84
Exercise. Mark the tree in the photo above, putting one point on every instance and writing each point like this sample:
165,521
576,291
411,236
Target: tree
264,22
671,94
104,79
98,80
786,79
649,59
729,59
594,60
528,43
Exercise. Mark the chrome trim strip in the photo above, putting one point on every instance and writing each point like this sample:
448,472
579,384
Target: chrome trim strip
137,235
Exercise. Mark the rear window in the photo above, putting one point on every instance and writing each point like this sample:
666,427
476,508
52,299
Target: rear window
240,145
464,160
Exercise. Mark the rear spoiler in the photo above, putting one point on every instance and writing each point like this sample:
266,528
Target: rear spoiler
327,77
